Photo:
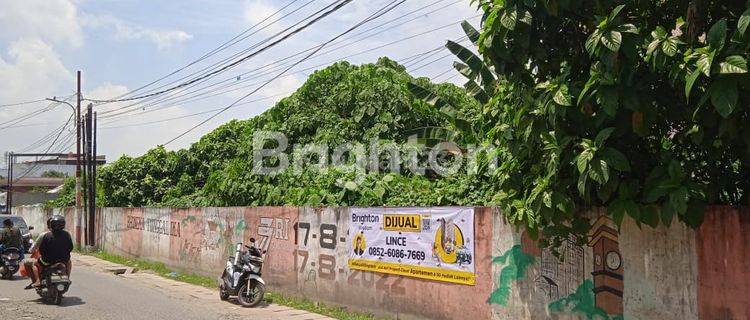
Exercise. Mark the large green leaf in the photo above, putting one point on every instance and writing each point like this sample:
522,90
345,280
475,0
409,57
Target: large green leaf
508,17
612,40
593,41
616,159
603,135
470,32
669,47
717,35
583,159
690,81
429,97
599,171
724,96
562,97
627,28
743,22
482,74
734,64
704,64
476,91
617,210
615,12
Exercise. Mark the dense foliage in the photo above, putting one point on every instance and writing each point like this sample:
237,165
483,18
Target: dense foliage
341,103
638,106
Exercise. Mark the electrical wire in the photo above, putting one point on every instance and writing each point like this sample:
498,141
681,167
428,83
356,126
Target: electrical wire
36,164
278,67
335,8
21,103
459,40
377,14
218,49
194,98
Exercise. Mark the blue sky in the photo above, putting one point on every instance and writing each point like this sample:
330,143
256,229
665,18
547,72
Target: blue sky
121,45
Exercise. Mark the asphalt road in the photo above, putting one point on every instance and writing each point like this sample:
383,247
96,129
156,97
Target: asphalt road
99,295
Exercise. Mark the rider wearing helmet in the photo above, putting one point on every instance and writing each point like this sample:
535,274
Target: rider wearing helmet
54,247
10,236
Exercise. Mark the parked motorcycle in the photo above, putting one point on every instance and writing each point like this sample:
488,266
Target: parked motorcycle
242,276
10,260
55,282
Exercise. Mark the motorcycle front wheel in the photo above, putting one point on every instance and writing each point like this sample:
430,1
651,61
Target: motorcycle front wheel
253,297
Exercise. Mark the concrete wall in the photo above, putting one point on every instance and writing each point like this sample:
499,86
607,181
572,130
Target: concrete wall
628,272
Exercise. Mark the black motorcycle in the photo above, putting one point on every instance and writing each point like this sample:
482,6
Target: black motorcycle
55,282
10,260
241,277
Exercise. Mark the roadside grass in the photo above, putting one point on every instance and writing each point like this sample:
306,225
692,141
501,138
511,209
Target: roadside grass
271,297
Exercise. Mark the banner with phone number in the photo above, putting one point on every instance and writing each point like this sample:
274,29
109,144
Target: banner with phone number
429,243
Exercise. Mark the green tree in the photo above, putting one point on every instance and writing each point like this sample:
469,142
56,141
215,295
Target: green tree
637,106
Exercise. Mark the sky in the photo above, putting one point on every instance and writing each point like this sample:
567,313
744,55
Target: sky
122,45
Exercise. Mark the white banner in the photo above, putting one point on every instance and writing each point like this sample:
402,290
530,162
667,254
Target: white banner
431,243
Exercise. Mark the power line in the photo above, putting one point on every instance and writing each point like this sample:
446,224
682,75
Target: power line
193,114
36,164
15,121
243,59
223,46
458,40
278,67
21,103
379,13
197,96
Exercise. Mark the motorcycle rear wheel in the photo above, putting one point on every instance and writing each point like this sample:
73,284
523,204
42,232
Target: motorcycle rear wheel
254,298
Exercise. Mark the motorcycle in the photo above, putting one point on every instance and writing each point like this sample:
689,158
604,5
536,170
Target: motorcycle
28,240
10,260
55,282
242,276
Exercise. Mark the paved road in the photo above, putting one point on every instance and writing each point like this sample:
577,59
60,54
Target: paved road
97,294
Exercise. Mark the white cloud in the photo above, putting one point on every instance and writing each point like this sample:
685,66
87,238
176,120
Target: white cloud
33,69
51,20
163,39
258,10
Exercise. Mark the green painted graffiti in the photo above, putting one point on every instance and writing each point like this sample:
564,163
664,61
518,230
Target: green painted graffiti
240,227
516,261
582,302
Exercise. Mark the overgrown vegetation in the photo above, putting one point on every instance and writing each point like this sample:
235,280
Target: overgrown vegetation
341,103
637,106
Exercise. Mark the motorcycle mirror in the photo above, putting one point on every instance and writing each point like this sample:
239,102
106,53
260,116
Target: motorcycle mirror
252,240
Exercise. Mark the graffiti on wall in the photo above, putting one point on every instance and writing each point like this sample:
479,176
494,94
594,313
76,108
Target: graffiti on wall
319,244
272,228
561,281
157,226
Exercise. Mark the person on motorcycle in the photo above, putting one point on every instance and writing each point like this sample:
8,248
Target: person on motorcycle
28,264
10,236
54,247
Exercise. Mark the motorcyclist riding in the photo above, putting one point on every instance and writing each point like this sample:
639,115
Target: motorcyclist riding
54,247
10,236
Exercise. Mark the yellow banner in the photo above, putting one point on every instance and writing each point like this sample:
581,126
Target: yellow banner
402,222
430,273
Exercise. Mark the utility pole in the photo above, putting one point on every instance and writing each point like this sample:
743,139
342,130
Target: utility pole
8,200
78,161
90,173
92,213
